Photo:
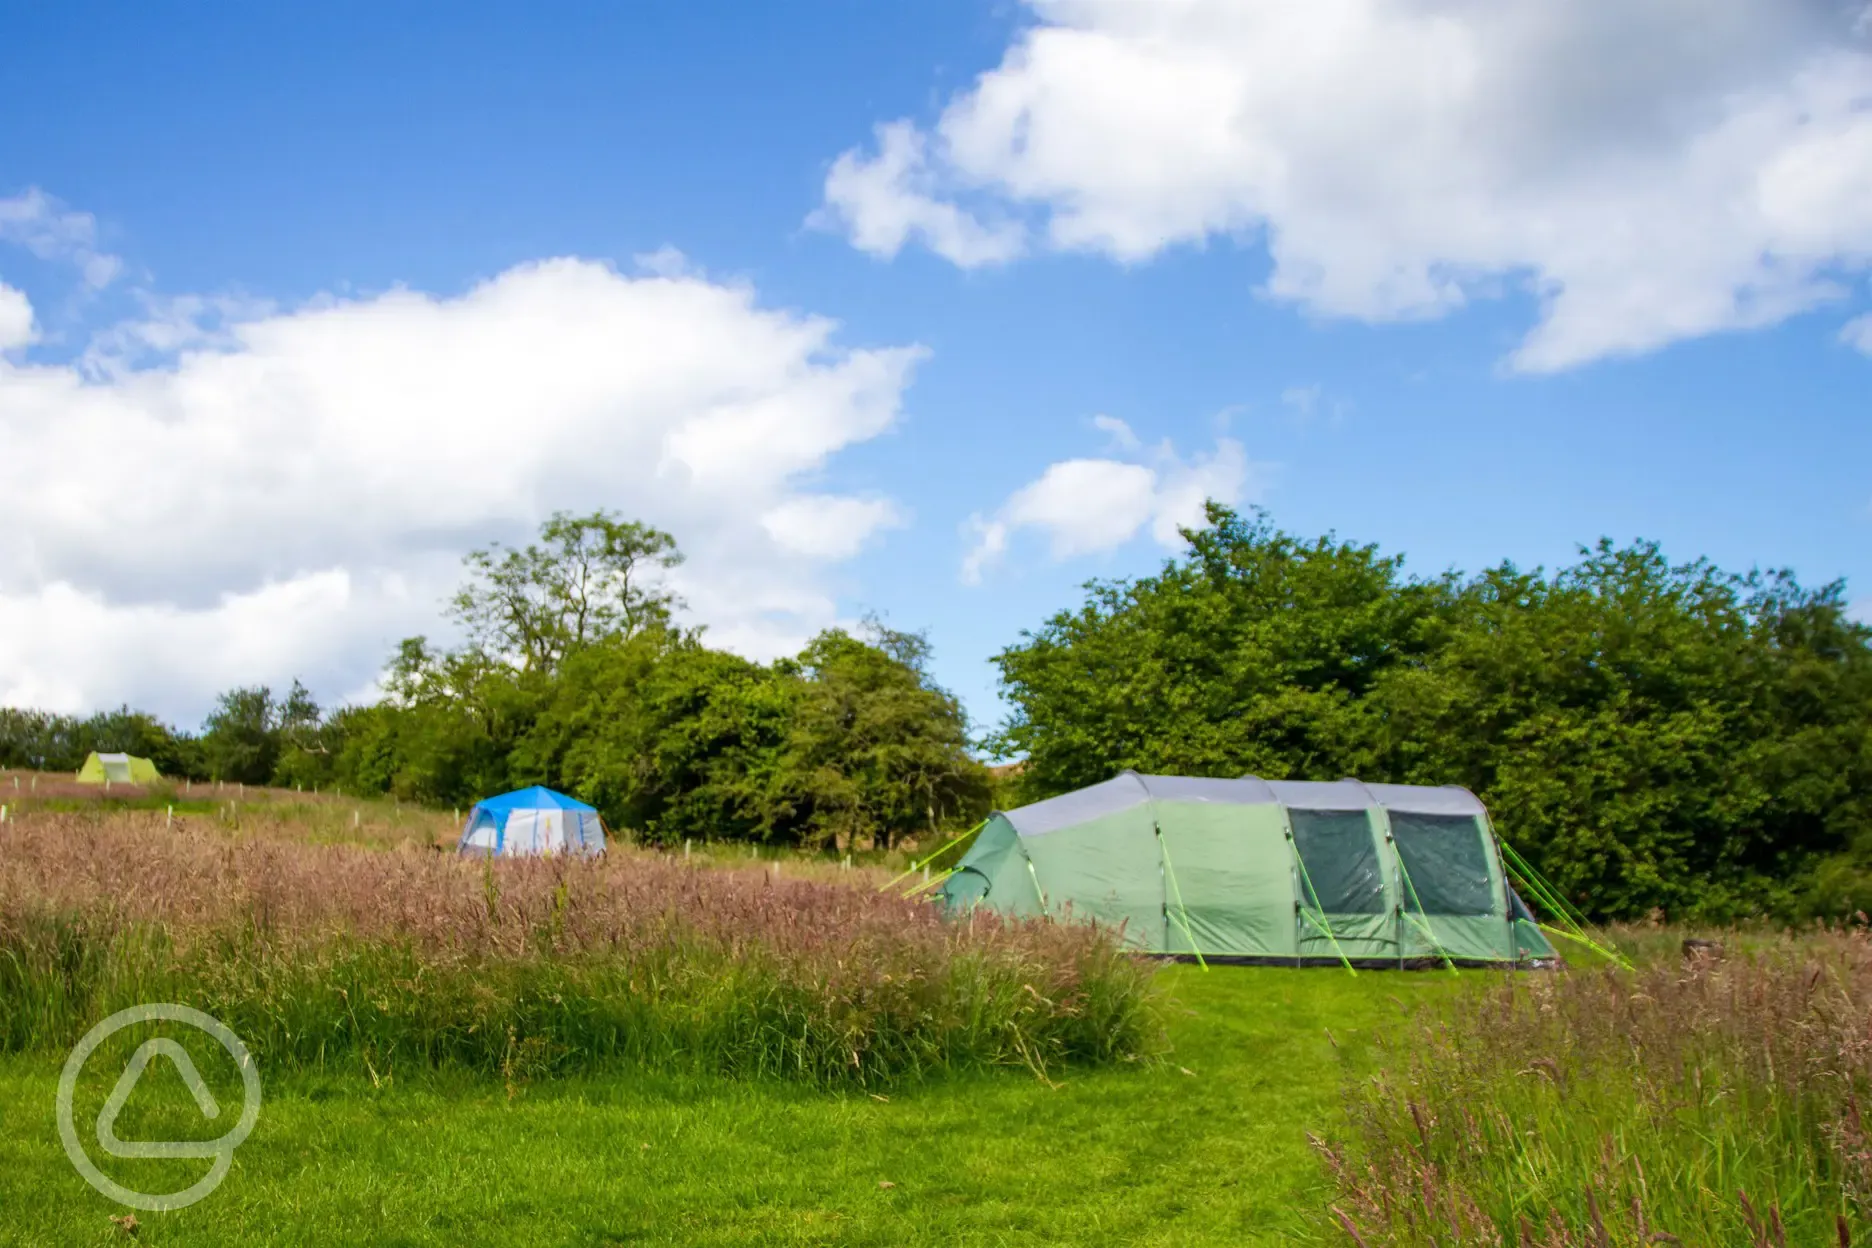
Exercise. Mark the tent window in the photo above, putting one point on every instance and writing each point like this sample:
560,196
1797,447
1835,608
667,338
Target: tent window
1517,908
1341,864
1446,861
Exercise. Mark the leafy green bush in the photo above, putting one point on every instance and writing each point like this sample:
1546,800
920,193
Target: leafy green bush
1648,734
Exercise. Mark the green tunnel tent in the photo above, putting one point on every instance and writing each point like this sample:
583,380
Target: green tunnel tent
1287,872
117,769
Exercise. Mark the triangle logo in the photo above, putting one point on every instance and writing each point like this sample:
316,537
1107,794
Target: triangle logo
126,1084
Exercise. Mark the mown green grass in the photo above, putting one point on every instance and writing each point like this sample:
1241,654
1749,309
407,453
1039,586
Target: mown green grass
1207,1148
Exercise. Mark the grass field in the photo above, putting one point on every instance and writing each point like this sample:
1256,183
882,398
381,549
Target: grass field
704,1049
1209,1148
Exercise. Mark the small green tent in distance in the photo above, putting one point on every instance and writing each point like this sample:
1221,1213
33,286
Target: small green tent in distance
117,769
1284,872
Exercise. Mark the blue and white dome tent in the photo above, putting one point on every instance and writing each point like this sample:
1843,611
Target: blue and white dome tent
531,822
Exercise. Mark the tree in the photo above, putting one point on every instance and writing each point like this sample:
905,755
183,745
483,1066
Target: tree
48,742
1249,655
574,675
240,740
308,741
668,738
447,729
877,752
588,578
1650,734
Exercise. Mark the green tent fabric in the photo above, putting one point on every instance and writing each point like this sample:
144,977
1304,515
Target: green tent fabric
118,769
1251,870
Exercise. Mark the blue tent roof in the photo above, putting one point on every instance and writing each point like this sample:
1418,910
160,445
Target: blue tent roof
536,798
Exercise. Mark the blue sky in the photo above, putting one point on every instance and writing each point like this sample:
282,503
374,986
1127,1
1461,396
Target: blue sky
294,306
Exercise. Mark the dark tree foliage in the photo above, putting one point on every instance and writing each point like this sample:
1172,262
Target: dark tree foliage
241,740
48,742
1649,734
574,676
875,750
669,737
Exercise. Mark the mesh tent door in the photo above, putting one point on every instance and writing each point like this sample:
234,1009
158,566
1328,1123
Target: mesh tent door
1345,910
1453,896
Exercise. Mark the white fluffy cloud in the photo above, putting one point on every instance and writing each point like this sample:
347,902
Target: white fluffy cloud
16,319
1085,506
884,201
52,231
827,526
291,493
1652,170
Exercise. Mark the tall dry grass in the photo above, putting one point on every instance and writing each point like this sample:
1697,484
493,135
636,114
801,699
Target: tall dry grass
334,954
1698,1101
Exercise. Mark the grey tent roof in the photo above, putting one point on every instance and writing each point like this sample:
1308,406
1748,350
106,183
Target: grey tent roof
1420,799
1322,794
1121,792
1128,789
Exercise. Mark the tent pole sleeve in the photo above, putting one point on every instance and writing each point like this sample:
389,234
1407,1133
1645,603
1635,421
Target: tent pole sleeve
1545,897
1604,953
1549,896
1319,922
1038,891
1543,889
1163,848
933,882
915,865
